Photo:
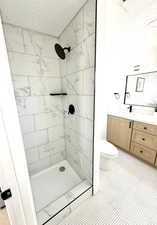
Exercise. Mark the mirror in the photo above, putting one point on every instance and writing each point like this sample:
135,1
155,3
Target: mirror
141,89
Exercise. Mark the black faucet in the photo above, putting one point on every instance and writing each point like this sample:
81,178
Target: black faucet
130,108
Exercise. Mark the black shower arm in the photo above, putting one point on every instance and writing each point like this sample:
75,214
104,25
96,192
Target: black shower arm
67,48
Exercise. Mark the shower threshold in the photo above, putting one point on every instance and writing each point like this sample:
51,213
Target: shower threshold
54,188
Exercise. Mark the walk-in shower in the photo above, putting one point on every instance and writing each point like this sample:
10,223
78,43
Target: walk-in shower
52,62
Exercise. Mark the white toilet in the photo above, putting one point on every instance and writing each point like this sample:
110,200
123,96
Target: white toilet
108,153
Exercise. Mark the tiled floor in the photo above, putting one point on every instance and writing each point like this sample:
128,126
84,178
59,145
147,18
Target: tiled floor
4,217
127,196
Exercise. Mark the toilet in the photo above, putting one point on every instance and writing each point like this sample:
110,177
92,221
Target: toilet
108,152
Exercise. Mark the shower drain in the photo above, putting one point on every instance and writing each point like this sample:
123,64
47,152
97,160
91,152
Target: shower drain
62,169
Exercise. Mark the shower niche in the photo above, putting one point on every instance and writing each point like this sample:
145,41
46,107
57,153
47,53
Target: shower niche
52,68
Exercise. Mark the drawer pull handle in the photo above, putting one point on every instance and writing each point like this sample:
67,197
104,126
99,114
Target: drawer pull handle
145,128
143,139
141,151
130,124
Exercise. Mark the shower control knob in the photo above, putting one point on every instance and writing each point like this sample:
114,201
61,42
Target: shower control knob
71,109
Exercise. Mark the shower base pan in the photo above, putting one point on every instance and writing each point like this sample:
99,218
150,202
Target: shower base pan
54,188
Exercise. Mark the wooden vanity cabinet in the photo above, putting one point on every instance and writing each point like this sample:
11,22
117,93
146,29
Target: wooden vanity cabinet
119,132
137,138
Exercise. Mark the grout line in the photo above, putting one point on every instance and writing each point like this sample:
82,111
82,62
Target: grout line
44,129
29,30
81,135
82,8
75,72
35,55
36,76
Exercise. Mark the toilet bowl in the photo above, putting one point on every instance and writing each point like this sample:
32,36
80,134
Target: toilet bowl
108,153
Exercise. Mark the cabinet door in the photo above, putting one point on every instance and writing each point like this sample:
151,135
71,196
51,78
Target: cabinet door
119,132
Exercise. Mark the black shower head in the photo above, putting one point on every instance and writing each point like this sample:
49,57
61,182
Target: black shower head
61,51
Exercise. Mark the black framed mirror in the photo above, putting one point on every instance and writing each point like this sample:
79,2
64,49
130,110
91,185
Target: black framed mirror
141,89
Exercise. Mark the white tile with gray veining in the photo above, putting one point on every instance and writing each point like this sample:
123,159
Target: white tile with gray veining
32,65
78,81
35,73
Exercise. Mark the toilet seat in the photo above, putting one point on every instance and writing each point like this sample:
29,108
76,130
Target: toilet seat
108,150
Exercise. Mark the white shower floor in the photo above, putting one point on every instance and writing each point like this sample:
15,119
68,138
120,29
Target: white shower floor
51,184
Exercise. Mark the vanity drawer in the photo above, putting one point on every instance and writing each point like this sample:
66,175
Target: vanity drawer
145,139
143,153
147,128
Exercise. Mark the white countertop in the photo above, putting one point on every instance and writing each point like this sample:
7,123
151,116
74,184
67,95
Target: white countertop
151,119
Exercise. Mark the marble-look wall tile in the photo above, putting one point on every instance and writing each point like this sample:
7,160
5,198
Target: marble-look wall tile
90,48
31,65
58,146
44,150
83,144
35,74
56,133
77,73
32,155
80,102
35,139
58,157
40,104
80,125
89,18
86,166
39,165
44,85
14,38
22,64
30,105
51,148
21,86
78,59
54,104
74,33
73,158
80,83
47,120
27,124
82,26
37,44
79,153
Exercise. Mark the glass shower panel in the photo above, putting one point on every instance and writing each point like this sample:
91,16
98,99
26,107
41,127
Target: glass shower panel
53,79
